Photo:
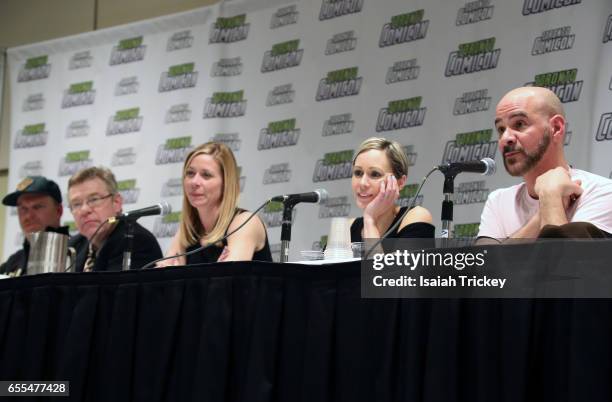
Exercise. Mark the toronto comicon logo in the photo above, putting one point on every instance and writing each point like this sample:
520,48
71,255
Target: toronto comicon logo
604,128
231,140
466,230
78,128
540,6
178,77
403,71
166,226
402,113
404,28
335,207
32,168
474,11
608,31
473,145
277,173
411,154
272,214
227,67
283,55
128,51
35,68
472,102
337,8
472,57
178,113
124,157
79,94
339,83
180,40
225,104
473,192
228,30
30,136
128,190
342,42
407,194
172,188
553,40
124,121
280,95
279,134
563,83
284,16
334,166
34,102
127,86
338,124
73,162
174,150
80,60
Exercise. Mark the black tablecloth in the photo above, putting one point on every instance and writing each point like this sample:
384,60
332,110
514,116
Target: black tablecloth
269,332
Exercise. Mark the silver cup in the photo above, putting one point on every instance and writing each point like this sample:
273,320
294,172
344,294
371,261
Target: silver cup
48,253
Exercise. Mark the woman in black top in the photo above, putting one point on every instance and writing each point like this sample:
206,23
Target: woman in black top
380,170
211,188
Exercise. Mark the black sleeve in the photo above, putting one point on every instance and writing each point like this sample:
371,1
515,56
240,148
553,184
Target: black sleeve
417,230
146,248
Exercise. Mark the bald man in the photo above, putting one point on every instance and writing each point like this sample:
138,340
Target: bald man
530,123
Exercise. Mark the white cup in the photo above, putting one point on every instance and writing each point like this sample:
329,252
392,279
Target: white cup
339,240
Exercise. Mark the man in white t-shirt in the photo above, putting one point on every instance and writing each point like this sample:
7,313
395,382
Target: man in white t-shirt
530,122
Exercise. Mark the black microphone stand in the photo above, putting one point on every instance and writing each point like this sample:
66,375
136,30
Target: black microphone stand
129,244
447,205
286,230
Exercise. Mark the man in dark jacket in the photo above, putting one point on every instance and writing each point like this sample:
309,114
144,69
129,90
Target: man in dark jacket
93,199
39,207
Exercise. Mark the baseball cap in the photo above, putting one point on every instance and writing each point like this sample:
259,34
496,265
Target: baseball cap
34,185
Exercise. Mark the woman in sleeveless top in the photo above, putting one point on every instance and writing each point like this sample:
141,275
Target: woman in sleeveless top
210,194
380,170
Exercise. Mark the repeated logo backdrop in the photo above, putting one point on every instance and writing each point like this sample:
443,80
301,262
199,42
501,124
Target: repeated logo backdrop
293,88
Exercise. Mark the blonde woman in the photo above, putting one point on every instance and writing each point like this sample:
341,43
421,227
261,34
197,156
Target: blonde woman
380,170
210,196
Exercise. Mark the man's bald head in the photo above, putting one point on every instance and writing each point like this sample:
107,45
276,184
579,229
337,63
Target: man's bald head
542,100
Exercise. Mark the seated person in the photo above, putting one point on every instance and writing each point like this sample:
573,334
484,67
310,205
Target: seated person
380,170
530,122
93,198
210,194
39,208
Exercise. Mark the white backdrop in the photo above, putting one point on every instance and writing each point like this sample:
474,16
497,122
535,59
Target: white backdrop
294,87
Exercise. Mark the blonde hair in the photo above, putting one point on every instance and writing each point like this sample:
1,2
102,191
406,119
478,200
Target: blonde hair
393,150
191,230
94,172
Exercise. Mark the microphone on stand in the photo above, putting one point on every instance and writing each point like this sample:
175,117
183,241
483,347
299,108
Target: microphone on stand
163,208
486,166
289,201
317,196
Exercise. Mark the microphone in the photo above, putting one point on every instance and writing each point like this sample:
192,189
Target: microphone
163,208
317,196
486,166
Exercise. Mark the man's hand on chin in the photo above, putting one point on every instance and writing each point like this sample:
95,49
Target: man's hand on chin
556,192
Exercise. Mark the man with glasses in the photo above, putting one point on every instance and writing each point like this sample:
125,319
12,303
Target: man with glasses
93,199
39,208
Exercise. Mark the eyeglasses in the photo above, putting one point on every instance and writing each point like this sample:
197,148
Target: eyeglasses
92,202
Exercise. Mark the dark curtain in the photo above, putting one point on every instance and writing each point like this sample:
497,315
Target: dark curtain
289,333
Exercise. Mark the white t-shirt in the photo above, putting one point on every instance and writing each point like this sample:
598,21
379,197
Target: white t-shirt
509,209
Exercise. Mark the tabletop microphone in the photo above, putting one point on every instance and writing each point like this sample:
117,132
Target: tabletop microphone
162,208
486,166
317,196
